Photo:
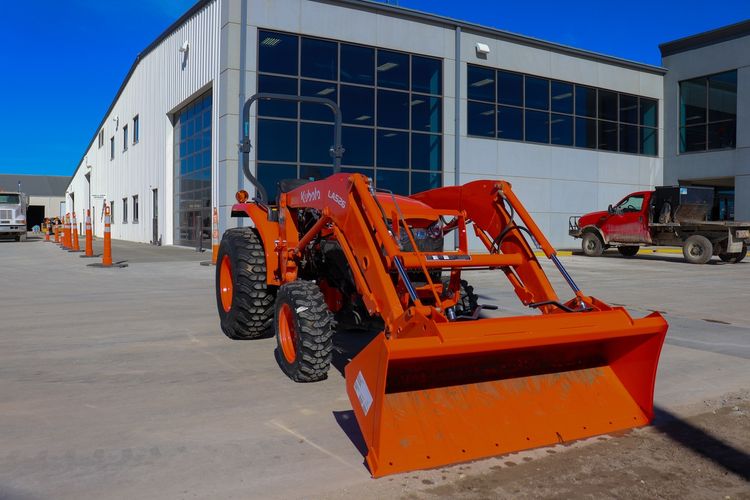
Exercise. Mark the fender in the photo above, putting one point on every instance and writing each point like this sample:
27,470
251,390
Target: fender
594,229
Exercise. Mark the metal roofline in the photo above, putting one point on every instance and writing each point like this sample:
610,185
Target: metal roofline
706,38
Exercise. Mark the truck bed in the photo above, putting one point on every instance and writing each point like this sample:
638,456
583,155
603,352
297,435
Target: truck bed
704,224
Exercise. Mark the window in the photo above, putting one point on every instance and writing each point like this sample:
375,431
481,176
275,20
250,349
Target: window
111,213
391,104
135,208
101,138
514,106
136,128
631,204
125,138
708,112
112,148
124,210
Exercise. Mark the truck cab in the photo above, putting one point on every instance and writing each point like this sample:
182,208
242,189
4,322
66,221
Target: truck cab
13,215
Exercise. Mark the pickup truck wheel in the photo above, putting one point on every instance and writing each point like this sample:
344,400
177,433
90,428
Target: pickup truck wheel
628,251
734,258
592,245
697,249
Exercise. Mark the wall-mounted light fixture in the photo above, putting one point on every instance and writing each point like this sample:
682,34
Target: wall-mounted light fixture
185,46
482,50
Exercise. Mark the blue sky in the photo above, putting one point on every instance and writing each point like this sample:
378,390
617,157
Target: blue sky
62,61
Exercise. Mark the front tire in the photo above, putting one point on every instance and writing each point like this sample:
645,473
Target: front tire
592,245
628,251
244,300
734,258
697,249
304,331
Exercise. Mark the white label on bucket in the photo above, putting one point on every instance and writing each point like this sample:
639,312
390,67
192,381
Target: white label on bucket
363,393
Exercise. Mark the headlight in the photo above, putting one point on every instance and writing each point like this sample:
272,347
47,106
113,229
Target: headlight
21,220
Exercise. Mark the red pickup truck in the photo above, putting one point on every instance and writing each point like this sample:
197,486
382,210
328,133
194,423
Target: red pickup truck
667,216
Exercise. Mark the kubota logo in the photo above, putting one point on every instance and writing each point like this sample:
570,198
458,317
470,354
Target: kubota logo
337,199
308,196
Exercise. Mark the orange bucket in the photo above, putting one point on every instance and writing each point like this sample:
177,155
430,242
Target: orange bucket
475,389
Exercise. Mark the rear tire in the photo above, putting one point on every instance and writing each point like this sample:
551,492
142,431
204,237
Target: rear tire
628,251
245,302
734,258
304,331
592,245
697,249
468,301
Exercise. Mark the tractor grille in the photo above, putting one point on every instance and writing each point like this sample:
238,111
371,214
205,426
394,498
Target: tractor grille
6,214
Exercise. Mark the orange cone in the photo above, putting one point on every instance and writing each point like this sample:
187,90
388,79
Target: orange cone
63,232
107,256
89,236
56,232
75,246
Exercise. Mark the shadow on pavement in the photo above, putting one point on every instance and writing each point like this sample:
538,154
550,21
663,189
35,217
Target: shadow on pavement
701,442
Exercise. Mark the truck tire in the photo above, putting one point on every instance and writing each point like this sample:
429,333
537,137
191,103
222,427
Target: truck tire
628,251
697,249
244,300
304,331
592,245
734,258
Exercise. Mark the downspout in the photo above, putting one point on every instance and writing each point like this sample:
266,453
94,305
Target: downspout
457,118
243,90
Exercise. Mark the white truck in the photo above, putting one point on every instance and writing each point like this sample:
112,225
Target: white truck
13,215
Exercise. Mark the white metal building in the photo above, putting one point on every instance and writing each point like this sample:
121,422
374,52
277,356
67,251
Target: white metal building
427,101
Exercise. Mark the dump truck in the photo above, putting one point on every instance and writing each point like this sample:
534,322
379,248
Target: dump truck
439,383
13,215
666,216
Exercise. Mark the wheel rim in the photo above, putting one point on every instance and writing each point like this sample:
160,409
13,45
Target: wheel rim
226,287
287,335
696,250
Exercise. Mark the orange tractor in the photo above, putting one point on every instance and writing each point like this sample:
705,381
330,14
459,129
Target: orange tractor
440,383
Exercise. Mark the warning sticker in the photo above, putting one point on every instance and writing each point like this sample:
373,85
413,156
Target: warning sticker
363,393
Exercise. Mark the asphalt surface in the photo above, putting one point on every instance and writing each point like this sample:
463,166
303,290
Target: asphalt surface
117,383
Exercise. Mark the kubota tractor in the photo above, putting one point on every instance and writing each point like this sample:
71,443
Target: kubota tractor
439,384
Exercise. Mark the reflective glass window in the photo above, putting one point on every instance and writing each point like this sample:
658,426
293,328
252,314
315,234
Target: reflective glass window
426,152
357,105
708,112
648,112
277,140
693,138
510,88
722,97
628,139
392,149
537,93
607,105
426,75
722,134
607,135
269,175
562,97
277,85
314,172
561,129
357,64
319,59
648,141
393,180
360,146
585,133
481,86
315,142
424,181
393,109
510,123
693,101
537,126
585,101
480,119
426,113
317,112
277,53
393,70
628,109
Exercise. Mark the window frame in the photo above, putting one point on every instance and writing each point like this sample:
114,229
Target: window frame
572,116
344,82
112,148
706,123
136,129
134,218
124,138
124,210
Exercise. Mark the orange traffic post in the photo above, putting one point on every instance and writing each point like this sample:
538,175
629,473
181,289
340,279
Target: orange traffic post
107,254
56,232
47,229
75,246
89,237
66,238
215,237
63,228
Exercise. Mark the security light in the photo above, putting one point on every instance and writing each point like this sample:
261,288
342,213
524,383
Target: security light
482,49
387,66
185,46
482,83
326,91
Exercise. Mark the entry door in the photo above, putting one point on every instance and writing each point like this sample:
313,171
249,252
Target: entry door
155,220
625,226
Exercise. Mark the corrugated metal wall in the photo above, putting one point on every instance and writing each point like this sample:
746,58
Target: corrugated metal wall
163,82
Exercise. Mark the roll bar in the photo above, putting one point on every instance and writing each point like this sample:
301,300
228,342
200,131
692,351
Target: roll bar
337,150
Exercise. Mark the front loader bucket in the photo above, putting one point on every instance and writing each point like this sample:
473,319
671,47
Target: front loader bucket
494,386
